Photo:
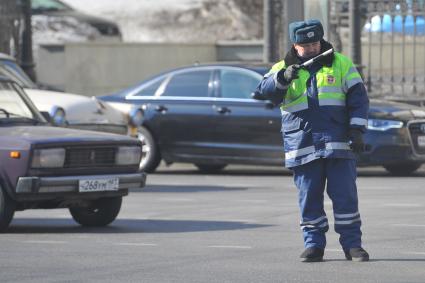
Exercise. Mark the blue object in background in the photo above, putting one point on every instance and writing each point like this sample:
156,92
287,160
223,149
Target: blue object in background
386,26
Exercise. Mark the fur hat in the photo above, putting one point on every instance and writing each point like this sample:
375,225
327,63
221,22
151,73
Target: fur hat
306,31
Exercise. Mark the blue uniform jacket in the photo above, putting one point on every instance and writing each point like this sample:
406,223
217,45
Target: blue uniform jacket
320,131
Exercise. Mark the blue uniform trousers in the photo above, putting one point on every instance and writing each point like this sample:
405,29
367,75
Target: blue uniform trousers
339,177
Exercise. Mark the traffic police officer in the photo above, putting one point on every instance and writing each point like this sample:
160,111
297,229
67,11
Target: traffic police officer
324,115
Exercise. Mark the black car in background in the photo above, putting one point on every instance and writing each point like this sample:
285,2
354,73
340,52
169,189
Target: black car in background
205,115
57,8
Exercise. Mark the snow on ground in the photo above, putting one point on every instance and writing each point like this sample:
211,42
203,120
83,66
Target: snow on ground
51,30
174,20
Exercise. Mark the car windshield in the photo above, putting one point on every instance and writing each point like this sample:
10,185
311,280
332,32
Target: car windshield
11,70
48,5
14,106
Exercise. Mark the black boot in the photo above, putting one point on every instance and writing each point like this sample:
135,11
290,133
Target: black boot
312,255
356,254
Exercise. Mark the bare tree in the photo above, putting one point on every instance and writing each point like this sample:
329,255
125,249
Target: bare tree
10,27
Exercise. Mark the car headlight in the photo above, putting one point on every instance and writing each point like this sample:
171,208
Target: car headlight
58,117
136,117
383,125
128,155
48,158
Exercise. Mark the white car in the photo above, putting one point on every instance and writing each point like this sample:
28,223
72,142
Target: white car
73,110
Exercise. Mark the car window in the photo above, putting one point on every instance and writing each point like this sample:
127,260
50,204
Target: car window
238,84
12,71
190,84
11,104
48,5
150,88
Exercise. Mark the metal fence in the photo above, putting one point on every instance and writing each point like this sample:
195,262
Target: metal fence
393,45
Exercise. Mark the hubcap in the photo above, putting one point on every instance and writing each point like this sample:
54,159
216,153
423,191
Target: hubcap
146,150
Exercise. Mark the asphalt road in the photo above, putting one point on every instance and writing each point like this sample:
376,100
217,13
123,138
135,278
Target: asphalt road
238,226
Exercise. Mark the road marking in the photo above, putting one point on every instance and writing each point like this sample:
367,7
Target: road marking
45,242
408,225
137,244
230,247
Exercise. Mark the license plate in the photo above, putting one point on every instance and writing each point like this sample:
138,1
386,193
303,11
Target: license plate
98,185
421,141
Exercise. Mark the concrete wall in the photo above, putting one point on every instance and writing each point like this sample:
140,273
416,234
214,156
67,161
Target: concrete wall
94,69
101,68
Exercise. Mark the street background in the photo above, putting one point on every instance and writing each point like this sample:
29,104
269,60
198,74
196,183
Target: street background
241,225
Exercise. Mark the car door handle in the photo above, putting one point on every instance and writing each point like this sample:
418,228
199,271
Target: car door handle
223,110
269,105
161,108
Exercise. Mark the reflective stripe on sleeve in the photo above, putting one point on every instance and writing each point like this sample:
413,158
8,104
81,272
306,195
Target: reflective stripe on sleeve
299,152
353,81
295,108
352,70
310,149
298,104
337,145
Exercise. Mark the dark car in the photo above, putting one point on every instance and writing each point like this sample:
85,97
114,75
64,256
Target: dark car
42,166
205,115
57,8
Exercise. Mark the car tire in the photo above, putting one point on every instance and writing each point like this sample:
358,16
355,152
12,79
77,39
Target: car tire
150,152
101,213
7,210
210,168
402,169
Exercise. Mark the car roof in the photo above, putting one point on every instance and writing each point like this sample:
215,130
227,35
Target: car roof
258,67
245,65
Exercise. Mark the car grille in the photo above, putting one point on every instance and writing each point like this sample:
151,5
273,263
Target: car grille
90,157
416,130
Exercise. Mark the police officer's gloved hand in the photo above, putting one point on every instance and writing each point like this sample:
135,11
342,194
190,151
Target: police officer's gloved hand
356,138
285,76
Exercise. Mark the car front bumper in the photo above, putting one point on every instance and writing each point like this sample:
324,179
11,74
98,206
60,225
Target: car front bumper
389,148
45,188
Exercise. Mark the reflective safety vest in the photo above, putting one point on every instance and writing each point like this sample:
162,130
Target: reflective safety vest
318,110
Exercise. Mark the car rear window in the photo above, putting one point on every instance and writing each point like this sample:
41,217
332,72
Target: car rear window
190,84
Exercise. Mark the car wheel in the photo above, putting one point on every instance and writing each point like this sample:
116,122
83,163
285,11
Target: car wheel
150,153
210,168
402,169
101,213
7,210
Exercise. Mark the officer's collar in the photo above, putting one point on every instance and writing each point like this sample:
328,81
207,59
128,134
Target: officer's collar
292,57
